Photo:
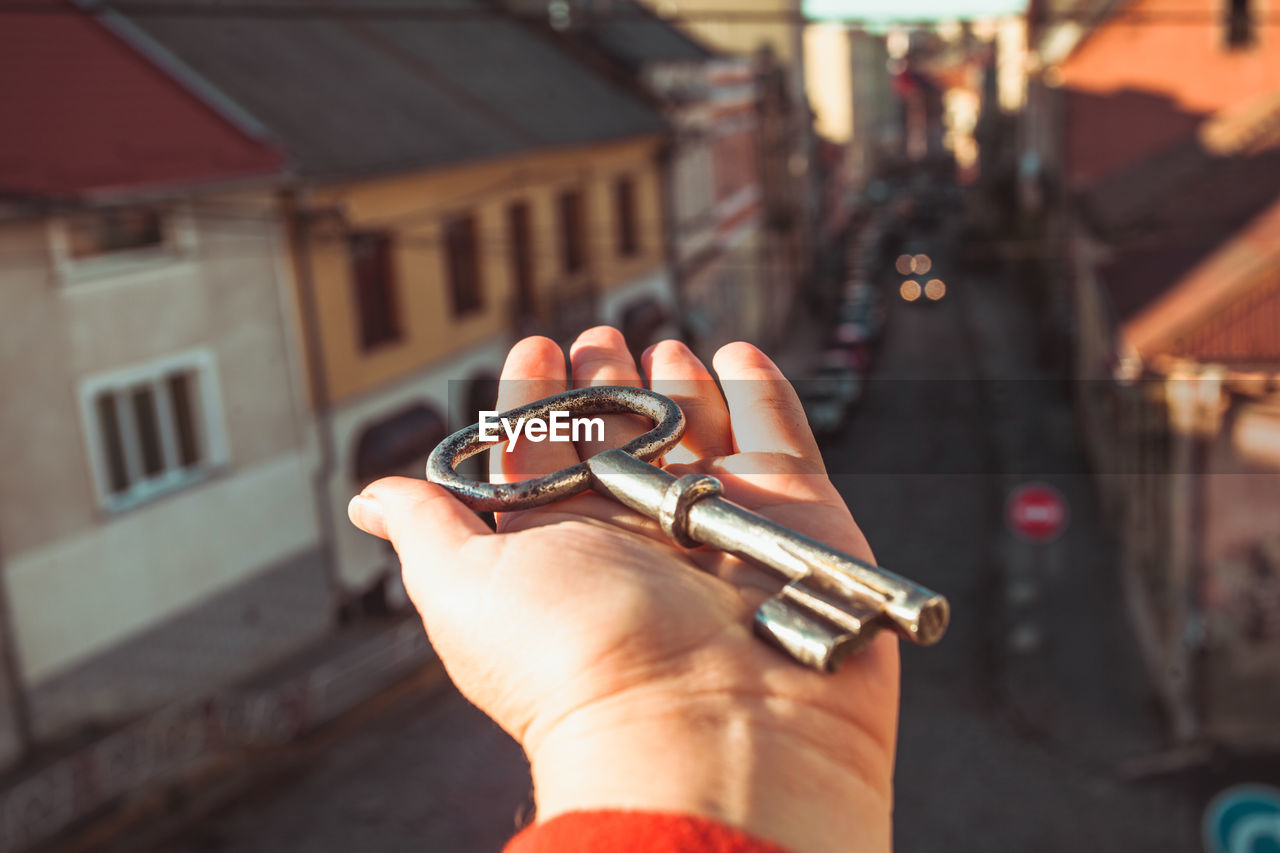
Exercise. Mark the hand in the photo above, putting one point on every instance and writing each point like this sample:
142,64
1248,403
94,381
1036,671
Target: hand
625,665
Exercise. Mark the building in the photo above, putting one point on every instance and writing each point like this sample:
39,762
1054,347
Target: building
876,125
158,531
829,79
459,182
1151,155
714,199
738,28
771,34
1110,84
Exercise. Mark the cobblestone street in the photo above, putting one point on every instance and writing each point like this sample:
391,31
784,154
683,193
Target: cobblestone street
1015,731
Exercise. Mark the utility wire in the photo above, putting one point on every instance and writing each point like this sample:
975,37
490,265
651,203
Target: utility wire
400,12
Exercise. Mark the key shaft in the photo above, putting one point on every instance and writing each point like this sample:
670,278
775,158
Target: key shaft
914,612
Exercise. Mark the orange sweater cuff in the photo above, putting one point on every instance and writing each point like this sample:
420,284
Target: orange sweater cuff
635,832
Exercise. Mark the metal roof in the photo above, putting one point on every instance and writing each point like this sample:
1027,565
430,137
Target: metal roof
361,93
633,34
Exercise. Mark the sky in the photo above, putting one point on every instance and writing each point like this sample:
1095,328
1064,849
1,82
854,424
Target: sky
911,10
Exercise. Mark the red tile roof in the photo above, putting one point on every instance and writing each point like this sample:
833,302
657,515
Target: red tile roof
86,114
1226,309
1193,267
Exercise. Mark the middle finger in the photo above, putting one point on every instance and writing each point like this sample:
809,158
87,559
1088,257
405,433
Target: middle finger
600,357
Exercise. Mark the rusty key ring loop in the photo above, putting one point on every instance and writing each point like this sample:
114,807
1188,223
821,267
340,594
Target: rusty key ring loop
668,428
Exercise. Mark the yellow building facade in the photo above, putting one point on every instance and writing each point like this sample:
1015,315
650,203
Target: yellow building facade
416,211
419,283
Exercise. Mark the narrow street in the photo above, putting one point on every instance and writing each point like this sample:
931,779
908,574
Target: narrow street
1006,743
1015,731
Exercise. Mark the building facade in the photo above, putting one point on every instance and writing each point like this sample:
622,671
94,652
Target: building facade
451,210
288,263
727,288
1151,156
154,399
422,281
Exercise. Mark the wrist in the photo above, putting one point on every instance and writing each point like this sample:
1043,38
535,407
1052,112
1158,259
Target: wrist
803,777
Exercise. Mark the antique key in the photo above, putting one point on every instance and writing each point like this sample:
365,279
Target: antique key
831,604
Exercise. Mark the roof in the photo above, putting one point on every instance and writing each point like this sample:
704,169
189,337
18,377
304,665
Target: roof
1226,308
356,94
1194,233
86,115
1058,28
636,36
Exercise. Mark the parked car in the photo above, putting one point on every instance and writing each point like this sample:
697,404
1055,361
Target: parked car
829,397
861,316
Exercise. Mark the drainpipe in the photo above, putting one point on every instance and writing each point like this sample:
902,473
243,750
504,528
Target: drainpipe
11,669
1194,395
665,160
299,217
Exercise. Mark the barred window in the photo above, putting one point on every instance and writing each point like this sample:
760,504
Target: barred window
153,430
373,277
462,257
573,238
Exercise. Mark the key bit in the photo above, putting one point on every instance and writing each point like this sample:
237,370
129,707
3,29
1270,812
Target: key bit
834,602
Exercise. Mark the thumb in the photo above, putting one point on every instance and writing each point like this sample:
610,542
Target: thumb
417,517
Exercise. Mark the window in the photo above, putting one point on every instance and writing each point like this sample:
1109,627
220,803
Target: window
373,275
1239,24
624,202
462,257
521,251
573,250
114,231
153,430
119,243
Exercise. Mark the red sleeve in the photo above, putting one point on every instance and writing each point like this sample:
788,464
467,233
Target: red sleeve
635,832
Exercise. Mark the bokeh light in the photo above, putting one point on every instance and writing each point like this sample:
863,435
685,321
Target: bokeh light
903,265
910,290
920,264
935,289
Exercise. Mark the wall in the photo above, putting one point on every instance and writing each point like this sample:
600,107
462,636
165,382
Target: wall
81,575
1131,78
1241,592
874,108
828,68
415,208
362,559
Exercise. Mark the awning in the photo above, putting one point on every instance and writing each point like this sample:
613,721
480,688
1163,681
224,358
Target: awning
398,441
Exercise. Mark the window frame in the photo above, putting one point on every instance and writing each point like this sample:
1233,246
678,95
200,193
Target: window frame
177,246
626,216
1249,18
208,418
520,255
574,255
463,301
392,331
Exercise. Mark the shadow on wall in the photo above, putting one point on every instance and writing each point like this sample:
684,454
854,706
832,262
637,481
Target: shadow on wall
1105,132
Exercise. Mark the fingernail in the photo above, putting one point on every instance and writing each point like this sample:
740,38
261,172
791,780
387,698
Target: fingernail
366,513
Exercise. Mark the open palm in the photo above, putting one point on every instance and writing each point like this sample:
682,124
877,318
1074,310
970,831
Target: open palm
582,615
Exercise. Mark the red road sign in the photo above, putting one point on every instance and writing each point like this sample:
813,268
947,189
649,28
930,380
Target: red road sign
1037,512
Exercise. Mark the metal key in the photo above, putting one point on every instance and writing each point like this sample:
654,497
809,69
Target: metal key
832,603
